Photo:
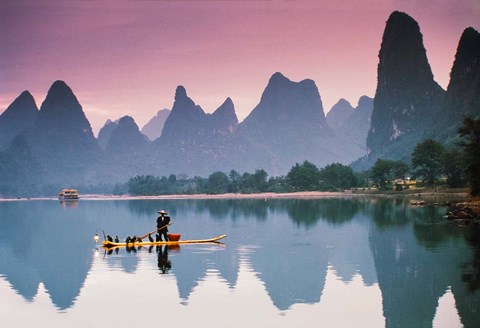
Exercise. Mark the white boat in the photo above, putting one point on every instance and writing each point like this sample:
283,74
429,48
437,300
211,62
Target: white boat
68,194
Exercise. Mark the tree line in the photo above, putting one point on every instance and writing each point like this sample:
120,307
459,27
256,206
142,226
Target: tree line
432,164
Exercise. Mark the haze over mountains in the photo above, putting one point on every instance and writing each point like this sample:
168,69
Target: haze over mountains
54,147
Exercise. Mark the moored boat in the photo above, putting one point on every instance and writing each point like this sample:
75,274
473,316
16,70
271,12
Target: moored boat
68,194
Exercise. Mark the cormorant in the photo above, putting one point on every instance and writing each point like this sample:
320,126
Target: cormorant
109,238
117,240
150,238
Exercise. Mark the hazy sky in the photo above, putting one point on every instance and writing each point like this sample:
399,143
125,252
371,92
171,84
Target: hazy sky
127,57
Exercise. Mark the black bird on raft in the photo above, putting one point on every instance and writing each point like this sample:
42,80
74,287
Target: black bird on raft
117,240
109,238
128,240
150,238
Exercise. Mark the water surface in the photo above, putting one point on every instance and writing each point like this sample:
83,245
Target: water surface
285,263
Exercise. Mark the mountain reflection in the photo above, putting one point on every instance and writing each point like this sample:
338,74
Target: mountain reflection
42,242
411,254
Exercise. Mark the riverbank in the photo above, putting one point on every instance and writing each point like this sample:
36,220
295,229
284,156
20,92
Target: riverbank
424,194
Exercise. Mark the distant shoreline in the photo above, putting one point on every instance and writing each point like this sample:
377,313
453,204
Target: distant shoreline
425,193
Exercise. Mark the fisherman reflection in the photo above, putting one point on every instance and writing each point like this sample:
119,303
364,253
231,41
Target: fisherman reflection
164,264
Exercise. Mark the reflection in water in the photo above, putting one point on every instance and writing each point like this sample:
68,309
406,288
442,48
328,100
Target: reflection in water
164,264
72,203
291,247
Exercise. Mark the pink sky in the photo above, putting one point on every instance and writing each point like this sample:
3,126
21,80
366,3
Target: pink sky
127,57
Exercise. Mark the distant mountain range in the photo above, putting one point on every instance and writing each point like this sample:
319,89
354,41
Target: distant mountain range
54,147
153,129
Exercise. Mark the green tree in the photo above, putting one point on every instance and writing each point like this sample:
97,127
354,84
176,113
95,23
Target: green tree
400,170
234,177
304,177
260,180
143,185
217,183
337,176
382,174
453,168
277,184
427,159
470,134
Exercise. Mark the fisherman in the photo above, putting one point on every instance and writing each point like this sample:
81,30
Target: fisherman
163,221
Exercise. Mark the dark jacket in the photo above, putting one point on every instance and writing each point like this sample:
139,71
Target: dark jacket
163,221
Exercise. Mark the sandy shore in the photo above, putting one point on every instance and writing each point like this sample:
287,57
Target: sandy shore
305,194
267,195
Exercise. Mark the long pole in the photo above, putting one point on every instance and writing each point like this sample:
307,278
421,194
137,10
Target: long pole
149,233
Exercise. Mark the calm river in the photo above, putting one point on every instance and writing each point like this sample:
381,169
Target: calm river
334,262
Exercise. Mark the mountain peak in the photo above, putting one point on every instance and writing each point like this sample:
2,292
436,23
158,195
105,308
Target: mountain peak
463,94
225,118
227,106
18,117
126,137
62,113
60,97
286,110
106,132
339,113
469,46
407,98
24,102
364,101
184,118
60,89
401,17
278,77
26,95
180,93
127,122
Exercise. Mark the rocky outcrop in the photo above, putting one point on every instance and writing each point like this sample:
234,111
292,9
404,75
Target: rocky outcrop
466,213
407,99
463,92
